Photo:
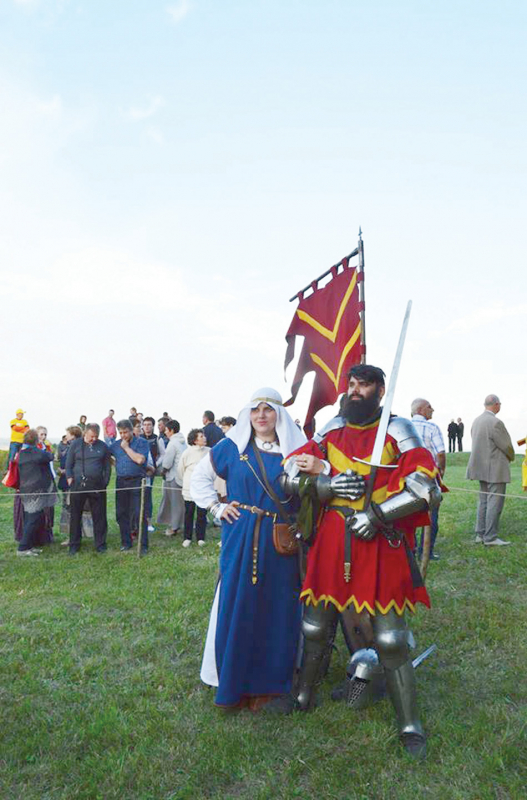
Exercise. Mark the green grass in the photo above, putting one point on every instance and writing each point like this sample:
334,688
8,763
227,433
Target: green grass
101,698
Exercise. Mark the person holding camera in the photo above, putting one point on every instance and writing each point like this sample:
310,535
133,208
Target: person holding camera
87,473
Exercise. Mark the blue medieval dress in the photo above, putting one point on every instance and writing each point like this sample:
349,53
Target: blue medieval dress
255,620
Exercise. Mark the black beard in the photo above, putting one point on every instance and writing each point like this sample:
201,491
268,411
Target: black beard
360,410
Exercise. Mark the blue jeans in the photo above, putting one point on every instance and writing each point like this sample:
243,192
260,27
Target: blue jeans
14,447
149,506
434,525
128,506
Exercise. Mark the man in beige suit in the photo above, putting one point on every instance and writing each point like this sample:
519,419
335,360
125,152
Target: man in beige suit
489,464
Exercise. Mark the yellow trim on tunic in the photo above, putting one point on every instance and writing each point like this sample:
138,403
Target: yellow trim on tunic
327,599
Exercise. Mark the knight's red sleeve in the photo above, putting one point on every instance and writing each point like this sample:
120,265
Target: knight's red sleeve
311,448
417,460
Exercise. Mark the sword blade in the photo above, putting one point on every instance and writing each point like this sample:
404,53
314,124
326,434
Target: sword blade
388,397
428,652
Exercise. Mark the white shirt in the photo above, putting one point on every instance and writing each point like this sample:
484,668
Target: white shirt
431,435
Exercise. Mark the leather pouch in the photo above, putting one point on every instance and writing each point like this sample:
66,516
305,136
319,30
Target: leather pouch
284,539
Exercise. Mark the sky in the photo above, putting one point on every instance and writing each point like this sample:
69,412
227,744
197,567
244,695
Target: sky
171,173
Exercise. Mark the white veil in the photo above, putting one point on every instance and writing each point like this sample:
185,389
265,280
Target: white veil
289,434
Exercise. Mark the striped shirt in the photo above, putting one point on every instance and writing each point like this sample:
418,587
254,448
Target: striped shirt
430,433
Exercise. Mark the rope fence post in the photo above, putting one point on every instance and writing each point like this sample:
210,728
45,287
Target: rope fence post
141,514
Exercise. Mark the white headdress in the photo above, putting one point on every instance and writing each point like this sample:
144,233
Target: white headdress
289,435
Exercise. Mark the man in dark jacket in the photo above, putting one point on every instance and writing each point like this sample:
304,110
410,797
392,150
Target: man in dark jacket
452,436
212,432
88,473
460,432
37,489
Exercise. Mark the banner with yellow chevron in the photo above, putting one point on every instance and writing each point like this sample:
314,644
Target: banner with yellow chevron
331,320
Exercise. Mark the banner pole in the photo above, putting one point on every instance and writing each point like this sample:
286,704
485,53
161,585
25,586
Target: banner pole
298,295
362,299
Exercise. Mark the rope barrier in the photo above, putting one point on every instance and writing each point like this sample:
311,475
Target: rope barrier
157,489
494,494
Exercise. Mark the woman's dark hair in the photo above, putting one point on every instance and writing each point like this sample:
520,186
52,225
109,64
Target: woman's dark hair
227,421
193,435
31,436
173,425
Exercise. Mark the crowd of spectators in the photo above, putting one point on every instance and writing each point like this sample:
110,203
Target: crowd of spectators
80,468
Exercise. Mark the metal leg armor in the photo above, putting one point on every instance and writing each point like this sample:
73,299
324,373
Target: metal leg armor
318,626
391,641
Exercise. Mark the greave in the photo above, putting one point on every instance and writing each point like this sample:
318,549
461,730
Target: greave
311,673
402,690
319,627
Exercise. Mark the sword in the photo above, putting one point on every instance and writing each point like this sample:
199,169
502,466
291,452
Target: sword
378,447
423,656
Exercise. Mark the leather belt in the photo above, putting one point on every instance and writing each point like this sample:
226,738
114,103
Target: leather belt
348,514
259,512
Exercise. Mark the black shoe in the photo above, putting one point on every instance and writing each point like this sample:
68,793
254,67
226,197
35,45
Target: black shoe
283,704
340,692
73,551
434,557
124,549
144,551
102,549
415,745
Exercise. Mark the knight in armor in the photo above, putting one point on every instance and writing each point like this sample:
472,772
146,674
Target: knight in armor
361,558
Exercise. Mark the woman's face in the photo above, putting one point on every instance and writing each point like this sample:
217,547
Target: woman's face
42,435
263,420
83,419
200,439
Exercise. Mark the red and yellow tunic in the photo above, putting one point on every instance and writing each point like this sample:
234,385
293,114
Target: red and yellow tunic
380,574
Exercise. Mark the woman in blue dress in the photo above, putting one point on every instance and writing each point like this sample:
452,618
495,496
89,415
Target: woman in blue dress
255,619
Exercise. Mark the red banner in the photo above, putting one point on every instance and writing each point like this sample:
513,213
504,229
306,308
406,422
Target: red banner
330,322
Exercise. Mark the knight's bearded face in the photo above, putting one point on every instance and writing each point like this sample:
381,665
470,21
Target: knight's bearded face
362,402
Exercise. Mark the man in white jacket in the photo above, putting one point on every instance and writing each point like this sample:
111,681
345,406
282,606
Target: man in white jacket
191,457
171,510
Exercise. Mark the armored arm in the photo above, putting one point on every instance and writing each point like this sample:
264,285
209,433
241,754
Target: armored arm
348,485
421,493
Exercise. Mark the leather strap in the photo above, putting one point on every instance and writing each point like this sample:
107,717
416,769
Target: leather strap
268,488
259,512
348,514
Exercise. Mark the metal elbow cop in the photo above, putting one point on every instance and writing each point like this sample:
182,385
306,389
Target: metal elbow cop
420,493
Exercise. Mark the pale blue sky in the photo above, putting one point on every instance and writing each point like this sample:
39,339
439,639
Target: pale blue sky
171,173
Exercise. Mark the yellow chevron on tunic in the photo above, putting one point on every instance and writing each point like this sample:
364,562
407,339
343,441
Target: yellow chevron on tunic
379,495
341,462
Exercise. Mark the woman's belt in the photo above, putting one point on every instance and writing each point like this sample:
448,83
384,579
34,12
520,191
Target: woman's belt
256,535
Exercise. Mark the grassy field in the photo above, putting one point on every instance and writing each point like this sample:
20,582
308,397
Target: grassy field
101,698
